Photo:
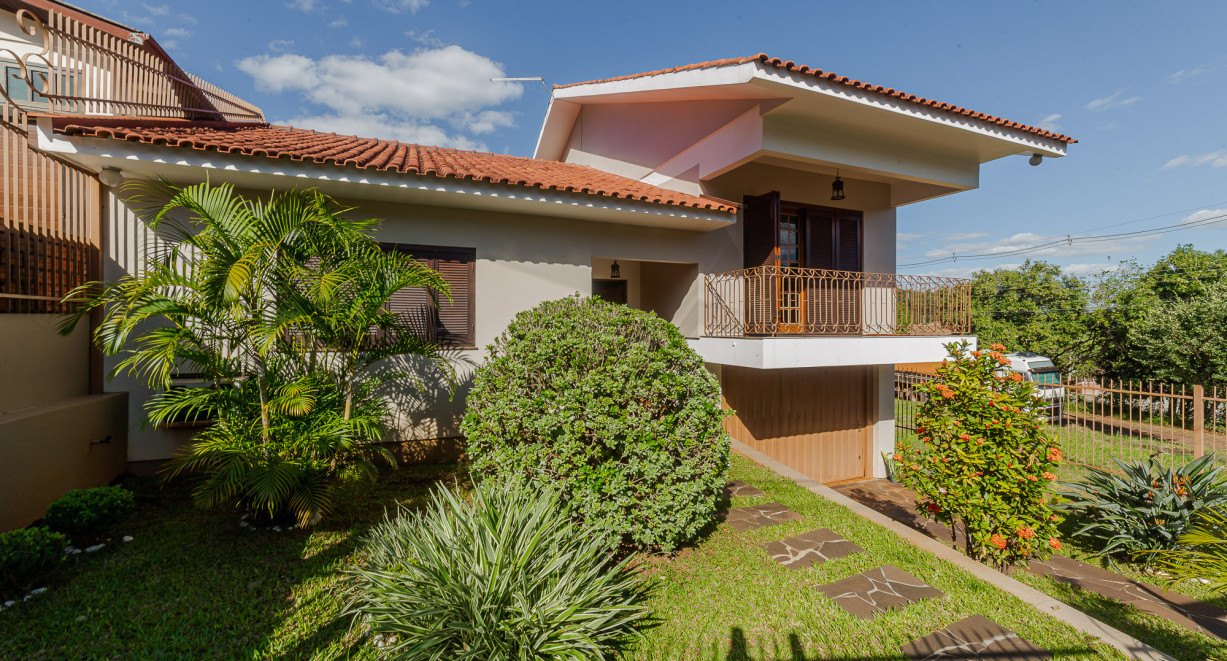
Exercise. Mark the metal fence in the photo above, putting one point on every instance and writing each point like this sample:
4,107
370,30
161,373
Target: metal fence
1094,421
773,300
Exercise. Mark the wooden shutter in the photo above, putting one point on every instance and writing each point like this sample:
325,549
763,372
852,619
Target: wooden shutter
451,323
820,239
456,315
848,241
761,234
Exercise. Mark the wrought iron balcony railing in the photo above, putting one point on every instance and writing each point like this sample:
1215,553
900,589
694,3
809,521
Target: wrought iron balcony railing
770,300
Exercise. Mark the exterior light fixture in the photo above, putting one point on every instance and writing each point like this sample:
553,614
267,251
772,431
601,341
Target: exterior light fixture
615,271
111,177
837,187
1036,159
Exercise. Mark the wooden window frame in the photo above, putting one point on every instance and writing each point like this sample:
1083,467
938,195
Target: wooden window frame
431,255
802,209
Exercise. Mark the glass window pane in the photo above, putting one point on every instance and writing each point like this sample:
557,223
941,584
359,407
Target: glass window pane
15,85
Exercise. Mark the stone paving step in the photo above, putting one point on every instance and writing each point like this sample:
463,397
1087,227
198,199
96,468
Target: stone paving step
812,548
869,593
976,637
899,503
737,488
758,516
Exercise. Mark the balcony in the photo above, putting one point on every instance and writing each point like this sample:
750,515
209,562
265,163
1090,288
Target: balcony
771,301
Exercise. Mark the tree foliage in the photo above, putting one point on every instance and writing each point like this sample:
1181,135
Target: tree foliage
280,305
1034,307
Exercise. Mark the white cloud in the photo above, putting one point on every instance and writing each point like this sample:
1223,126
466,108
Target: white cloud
1215,159
356,42
1089,269
338,22
1026,240
1117,100
280,45
1206,217
177,33
157,10
398,6
426,38
396,95
1189,74
303,5
967,236
905,236
1050,122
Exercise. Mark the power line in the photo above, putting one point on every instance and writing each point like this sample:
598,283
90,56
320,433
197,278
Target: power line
1070,239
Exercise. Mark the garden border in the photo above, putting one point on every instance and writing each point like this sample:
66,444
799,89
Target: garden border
1080,621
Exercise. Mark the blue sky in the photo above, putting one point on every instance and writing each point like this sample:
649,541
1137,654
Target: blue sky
1143,86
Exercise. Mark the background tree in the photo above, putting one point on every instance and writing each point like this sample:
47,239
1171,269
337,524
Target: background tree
1034,307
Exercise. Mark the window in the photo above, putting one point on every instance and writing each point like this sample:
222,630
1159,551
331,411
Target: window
17,87
450,323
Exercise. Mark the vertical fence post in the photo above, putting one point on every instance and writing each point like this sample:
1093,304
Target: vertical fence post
1199,421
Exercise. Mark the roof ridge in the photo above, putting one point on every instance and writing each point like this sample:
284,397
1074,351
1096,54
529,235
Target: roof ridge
791,66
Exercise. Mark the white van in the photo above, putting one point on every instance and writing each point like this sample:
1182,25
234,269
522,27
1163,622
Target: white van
1047,378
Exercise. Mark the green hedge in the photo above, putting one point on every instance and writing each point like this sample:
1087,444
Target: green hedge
86,512
611,406
26,556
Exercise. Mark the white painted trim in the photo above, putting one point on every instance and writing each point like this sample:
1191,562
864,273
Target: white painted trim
834,351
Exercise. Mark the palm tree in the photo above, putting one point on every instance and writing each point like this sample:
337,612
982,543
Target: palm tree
282,305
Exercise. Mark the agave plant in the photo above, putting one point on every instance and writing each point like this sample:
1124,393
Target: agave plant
282,305
1147,505
507,576
1200,553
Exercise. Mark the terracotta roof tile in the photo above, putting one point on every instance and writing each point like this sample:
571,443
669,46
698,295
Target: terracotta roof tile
381,155
789,65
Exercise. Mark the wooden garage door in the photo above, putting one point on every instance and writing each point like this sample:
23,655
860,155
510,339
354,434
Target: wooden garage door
815,420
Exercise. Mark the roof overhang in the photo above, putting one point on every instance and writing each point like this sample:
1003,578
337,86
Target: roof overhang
140,160
804,100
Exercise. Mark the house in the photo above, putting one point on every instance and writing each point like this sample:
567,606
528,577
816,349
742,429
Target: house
752,202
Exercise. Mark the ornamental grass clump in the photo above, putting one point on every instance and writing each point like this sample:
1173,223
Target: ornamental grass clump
610,406
984,466
505,576
1146,506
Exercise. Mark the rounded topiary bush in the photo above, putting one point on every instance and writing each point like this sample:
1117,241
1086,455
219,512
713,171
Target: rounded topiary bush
26,556
609,405
86,512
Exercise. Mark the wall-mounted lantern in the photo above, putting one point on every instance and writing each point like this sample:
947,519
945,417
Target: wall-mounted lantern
615,271
837,187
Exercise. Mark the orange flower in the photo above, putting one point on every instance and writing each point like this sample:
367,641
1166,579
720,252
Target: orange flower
997,541
975,354
1033,478
1049,476
1054,543
1003,360
964,437
1026,533
1054,454
897,457
1016,377
979,441
997,347
934,508
947,394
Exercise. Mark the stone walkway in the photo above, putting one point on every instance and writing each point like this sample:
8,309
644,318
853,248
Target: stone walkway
899,503
869,593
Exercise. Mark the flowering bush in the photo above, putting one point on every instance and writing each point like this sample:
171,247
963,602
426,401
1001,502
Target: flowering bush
984,464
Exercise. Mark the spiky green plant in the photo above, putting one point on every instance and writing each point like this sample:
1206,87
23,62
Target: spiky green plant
507,576
282,305
1200,554
1146,505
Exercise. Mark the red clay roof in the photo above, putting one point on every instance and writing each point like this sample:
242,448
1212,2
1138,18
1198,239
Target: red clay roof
253,139
789,65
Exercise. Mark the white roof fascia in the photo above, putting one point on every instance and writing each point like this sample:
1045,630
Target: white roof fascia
1025,140
351,182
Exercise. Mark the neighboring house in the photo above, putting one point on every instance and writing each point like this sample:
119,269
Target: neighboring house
750,201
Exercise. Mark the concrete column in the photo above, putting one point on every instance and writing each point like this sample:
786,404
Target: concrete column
884,420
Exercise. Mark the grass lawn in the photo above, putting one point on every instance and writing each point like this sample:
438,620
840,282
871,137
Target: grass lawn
194,584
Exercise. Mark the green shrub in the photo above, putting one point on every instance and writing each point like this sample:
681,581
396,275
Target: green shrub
1148,506
506,576
983,463
609,405
85,512
26,556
